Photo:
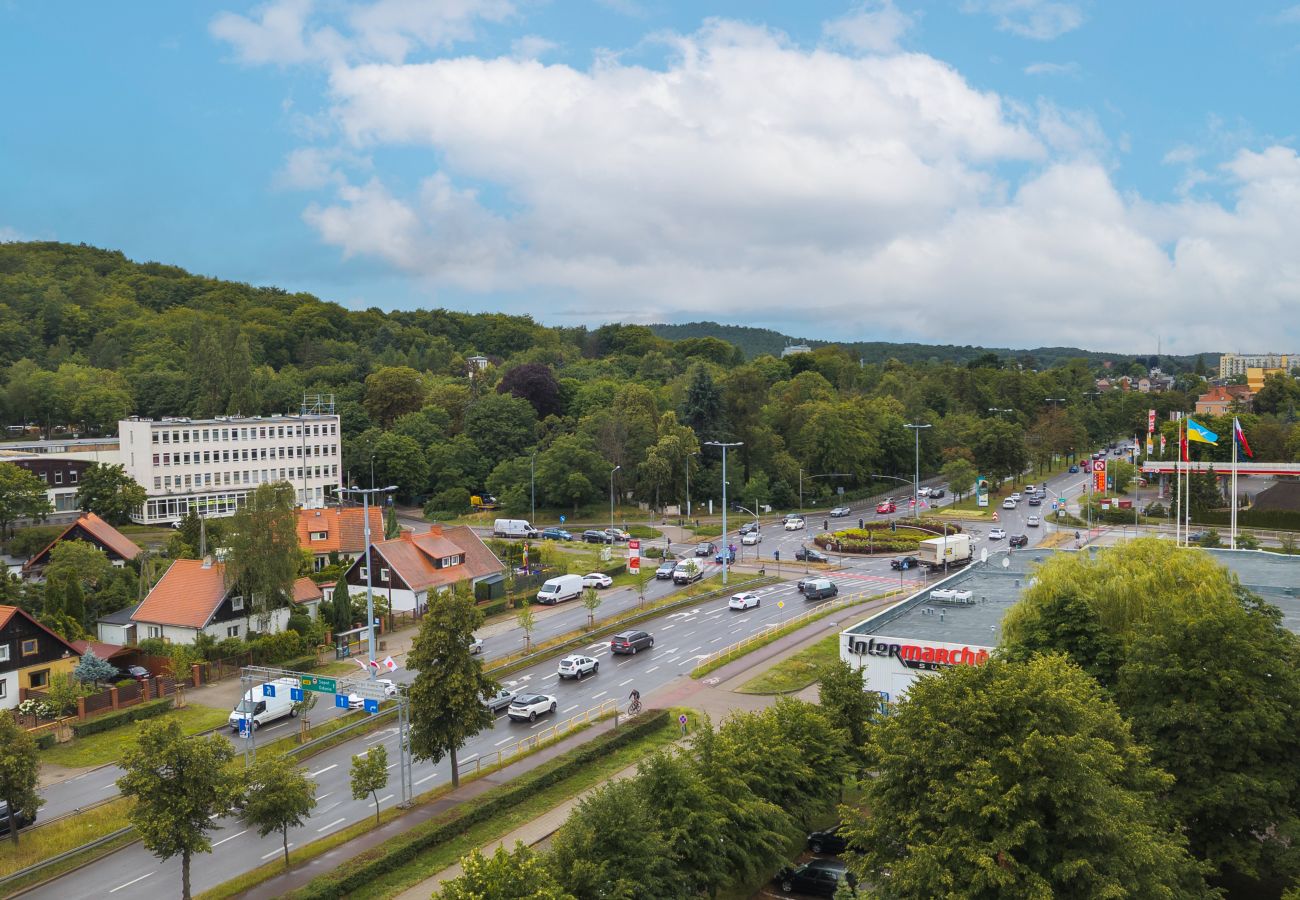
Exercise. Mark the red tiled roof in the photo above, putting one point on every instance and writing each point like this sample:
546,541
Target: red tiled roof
8,612
307,591
98,529
103,651
345,529
414,556
186,596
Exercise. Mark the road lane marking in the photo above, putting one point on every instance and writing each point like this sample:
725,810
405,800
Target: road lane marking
715,640
323,796
648,671
381,800
505,740
277,851
693,649
621,683
129,883
674,659
570,709
595,646
552,675
666,627
223,840
393,766
598,696
427,777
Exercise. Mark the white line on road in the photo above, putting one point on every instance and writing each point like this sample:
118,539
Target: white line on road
393,766
693,649
381,800
621,683
427,777
277,851
231,838
648,671
715,640
666,627
570,709
323,796
674,659
595,646
129,883
552,675
504,740
598,696
469,759
674,650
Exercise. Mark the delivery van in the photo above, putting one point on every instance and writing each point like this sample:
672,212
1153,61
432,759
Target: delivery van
688,570
262,708
560,588
514,528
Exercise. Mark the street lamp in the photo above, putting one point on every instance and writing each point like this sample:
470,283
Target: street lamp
916,485
611,499
365,493
997,409
725,553
812,477
532,486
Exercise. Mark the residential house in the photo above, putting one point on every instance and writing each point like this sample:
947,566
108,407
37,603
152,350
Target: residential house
337,533
117,627
412,566
192,596
477,363
116,654
1219,401
30,654
90,528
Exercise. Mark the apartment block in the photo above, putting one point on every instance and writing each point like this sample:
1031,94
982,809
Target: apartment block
1232,364
211,465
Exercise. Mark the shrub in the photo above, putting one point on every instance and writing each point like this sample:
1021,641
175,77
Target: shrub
34,707
44,741
27,542
146,710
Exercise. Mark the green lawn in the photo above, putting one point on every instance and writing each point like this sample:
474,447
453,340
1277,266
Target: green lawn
107,746
51,840
795,672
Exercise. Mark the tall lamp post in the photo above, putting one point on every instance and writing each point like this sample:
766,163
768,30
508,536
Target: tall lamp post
725,552
532,486
611,500
916,484
365,493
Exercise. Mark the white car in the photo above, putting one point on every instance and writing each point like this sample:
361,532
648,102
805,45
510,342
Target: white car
1015,495
923,492
596,580
530,706
500,700
840,512
997,534
1030,488
743,601
1032,521
356,701
1008,503
752,538
795,525
577,666
476,645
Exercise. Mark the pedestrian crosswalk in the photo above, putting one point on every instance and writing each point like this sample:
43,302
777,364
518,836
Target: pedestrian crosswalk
863,578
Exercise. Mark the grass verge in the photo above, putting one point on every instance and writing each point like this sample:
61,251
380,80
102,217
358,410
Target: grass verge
47,841
796,672
107,746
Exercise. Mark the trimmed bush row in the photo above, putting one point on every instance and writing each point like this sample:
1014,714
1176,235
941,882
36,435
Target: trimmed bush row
878,537
398,852
146,710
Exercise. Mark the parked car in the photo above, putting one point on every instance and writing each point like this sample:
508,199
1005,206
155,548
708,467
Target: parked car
500,700
1033,521
139,673
840,512
1008,503
903,563
997,534
596,580
356,701
819,877
820,589
808,554
795,524
754,537
631,642
556,534
560,588
730,554
743,601
20,820
576,666
936,493
706,549
829,841
618,534
514,528
748,528
887,507
1018,540
665,570
476,645
530,706
596,536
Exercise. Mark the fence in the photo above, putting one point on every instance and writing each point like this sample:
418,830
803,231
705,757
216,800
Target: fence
533,741
106,700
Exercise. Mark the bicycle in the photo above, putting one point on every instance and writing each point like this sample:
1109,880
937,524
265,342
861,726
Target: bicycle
634,707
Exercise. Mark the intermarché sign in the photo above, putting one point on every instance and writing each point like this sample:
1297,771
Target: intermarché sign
920,656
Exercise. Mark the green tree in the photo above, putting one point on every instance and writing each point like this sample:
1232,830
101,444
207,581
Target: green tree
90,668
689,816
960,475
447,693
501,426
843,694
19,769
1065,623
341,609
22,496
391,528
526,621
1016,780
517,875
591,602
263,555
610,846
999,449
702,406
180,785
400,461
370,775
278,796
393,391
109,493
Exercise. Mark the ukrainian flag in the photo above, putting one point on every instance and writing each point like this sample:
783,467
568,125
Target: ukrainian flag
1200,433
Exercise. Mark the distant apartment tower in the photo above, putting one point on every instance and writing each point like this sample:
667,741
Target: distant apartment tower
211,465
1231,364
795,348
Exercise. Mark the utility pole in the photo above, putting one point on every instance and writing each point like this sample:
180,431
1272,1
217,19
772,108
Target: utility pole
916,484
611,502
365,493
726,552
532,486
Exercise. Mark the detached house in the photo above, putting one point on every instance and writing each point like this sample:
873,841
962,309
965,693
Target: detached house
29,654
338,533
409,568
90,528
192,597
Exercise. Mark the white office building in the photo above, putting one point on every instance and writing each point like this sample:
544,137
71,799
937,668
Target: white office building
1232,364
211,465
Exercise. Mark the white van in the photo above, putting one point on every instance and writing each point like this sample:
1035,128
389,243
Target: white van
265,709
560,588
514,528
688,570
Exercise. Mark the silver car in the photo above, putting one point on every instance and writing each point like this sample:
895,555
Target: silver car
500,700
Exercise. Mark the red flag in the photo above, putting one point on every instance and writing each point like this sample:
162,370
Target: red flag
1182,440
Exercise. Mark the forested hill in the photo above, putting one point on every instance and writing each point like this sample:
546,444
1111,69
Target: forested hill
755,342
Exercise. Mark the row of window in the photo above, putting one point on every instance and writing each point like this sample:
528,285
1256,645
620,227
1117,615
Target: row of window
30,647
58,477
249,476
445,562
155,631
252,433
245,455
215,505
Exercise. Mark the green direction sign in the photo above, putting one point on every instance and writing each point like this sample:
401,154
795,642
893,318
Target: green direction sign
321,685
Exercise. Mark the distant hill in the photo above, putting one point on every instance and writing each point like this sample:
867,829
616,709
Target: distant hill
759,341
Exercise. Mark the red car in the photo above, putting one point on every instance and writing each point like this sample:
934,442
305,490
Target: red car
886,507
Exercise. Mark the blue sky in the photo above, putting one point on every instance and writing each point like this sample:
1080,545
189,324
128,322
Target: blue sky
1015,172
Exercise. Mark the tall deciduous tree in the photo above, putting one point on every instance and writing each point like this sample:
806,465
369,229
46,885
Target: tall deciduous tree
278,796
264,555
22,496
843,695
534,382
447,694
19,768
960,474
393,391
108,492
610,847
370,775
180,785
517,875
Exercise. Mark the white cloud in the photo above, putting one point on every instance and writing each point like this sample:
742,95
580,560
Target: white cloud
531,46
1289,16
1047,68
8,235
1040,20
875,27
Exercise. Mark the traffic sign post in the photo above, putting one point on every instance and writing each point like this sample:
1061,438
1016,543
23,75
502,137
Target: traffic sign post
681,720
319,684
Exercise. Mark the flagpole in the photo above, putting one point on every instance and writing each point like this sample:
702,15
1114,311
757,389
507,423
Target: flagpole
1187,507
1232,534
1178,486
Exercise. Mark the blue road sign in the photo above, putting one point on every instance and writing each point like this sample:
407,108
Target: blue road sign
341,701
563,519
243,728
295,694
268,690
372,706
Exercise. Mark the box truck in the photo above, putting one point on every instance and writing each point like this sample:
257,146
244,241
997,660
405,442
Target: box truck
261,708
560,588
953,550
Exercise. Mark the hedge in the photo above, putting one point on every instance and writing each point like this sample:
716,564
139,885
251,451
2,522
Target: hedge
366,867
879,537
1277,519
44,741
146,710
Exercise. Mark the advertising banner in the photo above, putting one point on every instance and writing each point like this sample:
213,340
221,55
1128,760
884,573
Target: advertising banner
1151,421
981,490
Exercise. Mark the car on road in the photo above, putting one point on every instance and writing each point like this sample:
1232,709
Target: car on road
817,877
840,512
730,554
997,534
1008,503
748,528
1018,540
819,589
500,700
754,537
596,580
887,507
1033,521
1035,500
903,563
1074,470
832,840
1030,488
618,534
356,701
795,524
20,819
688,570
476,645
576,666
923,491
706,549
530,706
556,534
936,493
665,570
596,536
1015,495
808,554
743,601
631,642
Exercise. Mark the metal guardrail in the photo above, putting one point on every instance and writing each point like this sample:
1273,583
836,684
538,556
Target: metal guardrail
533,741
66,855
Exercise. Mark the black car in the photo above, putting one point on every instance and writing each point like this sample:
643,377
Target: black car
819,589
807,554
903,563
936,493
1019,540
594,536
829,841
631,642
706,549
819,877
20,820
748,527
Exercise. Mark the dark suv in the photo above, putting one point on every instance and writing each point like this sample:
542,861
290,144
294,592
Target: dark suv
594,536
819,877
831,840
20,820
819,589
1019,540
631,642
903,563
809,555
